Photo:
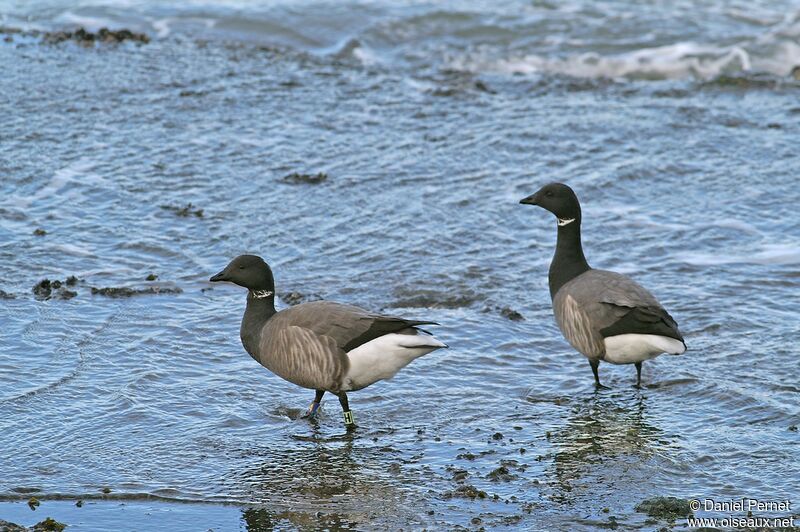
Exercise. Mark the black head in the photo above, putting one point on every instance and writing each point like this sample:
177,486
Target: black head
557,198
249,271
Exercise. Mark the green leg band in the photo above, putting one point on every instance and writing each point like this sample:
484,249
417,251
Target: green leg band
348,418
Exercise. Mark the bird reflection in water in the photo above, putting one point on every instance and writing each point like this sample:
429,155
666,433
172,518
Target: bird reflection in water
331,482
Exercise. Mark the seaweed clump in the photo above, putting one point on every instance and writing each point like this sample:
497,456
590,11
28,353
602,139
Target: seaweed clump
48,525
103,35
501,474
466,491
124,291
295,298
507,312
33,503
297,178
433,299
667,508
47,289
81,36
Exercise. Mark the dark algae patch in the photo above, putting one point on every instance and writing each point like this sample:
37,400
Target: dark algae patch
186,211
665,508
295,298
506,312
39,232
511,314
80,35
466,491
424,298
103,35
124,291
297,178
33,503
501,474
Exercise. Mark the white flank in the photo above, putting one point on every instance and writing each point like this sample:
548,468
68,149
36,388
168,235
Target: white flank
384,356
630,348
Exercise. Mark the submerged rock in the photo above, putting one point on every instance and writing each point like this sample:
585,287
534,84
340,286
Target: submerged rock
5,526
184,212
310,179
295,298
6,295
667,508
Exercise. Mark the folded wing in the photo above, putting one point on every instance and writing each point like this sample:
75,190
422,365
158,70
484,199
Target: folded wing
308,344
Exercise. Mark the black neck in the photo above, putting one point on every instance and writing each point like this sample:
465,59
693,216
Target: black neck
568,262
259,310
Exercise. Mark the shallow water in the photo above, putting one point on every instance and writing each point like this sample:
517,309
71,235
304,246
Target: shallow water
431,122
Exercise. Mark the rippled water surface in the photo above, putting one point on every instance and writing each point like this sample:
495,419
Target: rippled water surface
677,124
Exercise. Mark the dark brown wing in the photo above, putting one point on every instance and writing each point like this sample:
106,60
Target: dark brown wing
642,320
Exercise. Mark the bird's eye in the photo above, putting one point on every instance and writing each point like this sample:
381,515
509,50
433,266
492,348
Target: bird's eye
241,267
549,193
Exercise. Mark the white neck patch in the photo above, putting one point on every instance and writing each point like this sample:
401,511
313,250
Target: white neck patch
261,294
564,221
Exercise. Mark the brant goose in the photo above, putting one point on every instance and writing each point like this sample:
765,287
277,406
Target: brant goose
322,345
604,315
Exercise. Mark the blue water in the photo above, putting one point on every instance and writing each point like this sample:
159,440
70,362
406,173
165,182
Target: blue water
676,124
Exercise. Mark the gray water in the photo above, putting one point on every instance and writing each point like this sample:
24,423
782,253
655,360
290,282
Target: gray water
677,124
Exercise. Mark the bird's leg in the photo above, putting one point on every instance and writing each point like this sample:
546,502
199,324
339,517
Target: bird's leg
638,374
312,409
349,421
595,364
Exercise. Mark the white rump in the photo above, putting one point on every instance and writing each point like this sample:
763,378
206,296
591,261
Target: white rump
384,356
630,348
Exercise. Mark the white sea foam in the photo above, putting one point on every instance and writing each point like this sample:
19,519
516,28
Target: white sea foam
91,23
674,61
775,50
785,253
59,183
